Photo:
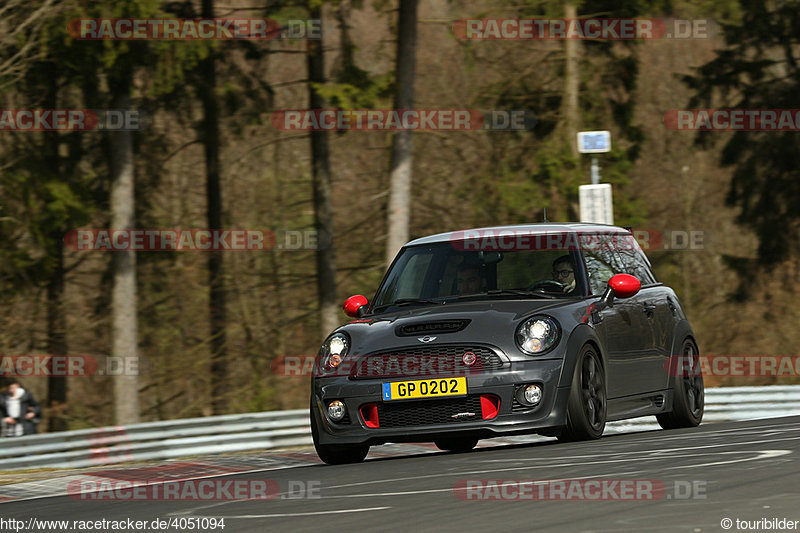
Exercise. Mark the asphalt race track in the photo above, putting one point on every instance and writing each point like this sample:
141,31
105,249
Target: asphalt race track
739,470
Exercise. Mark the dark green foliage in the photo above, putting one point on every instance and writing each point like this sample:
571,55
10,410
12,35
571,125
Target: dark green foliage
759,70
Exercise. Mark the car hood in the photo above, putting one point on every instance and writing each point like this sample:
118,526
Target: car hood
484,321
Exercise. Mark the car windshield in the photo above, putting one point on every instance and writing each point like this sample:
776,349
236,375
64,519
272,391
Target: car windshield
438,273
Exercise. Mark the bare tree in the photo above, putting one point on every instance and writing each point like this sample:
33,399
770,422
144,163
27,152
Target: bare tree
216,283
321,177
572,81
402,144
124,319
56,319
20,22
56,340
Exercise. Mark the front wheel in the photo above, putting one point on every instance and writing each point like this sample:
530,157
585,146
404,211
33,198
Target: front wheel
688,392
336,454
587,406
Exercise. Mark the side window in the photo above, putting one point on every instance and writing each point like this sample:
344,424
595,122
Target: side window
602,261
636,263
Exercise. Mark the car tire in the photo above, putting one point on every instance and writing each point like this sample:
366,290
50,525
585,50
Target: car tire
587,406
688,393
336,454
456,444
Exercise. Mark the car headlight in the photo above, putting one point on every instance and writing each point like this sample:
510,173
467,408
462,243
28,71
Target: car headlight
334,349
537,335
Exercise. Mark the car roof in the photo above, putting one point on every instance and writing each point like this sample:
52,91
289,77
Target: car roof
542,227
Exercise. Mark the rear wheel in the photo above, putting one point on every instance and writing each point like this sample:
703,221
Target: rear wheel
587,406
456,444
336,454
688,392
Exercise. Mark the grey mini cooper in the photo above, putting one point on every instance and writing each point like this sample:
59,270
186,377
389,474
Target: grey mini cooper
546,328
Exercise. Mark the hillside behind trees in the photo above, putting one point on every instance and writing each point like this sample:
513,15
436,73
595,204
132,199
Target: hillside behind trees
738,191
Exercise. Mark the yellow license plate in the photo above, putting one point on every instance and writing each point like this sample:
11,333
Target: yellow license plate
424,388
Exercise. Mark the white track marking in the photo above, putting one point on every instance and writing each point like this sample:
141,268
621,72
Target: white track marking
561,465
763,454
61,482
311,513
658,450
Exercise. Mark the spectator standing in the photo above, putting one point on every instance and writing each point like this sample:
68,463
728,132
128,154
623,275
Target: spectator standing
19,411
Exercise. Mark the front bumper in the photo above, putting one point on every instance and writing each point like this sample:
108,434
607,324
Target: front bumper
512,417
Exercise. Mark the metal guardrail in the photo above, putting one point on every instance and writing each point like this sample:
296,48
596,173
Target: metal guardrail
156,440
277,429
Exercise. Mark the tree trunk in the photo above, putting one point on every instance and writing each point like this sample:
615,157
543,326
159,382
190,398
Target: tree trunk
56,325
402,144
124,317
56,341
572,84
321,179
216,283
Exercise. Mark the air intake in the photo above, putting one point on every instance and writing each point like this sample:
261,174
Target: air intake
427,328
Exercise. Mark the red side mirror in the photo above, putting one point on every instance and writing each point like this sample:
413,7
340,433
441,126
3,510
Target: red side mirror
354,304
624,285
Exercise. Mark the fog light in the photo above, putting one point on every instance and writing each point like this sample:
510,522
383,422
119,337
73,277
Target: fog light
336,410
529,395
533,394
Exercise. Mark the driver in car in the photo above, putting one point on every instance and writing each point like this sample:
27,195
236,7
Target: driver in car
469,279
564,272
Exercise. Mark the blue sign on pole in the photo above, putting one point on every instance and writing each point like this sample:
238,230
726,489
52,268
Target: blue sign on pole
594,142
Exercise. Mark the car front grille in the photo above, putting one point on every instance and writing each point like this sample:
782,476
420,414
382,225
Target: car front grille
413,361
429,412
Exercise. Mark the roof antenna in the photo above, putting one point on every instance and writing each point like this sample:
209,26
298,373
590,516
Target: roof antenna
544,215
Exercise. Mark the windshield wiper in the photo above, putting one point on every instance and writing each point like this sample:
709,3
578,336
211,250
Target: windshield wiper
408,301
520,292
